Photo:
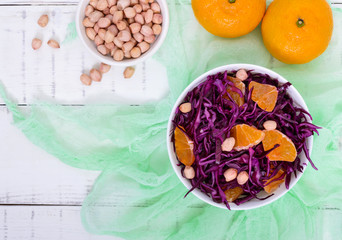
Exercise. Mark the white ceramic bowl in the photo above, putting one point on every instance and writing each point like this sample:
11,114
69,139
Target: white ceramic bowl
91,47
254,203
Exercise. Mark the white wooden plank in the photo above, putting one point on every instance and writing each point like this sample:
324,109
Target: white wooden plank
41,223
54,73
29,175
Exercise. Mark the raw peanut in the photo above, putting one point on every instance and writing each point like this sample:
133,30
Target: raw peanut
143,14
149,24
101,5
96,28
129,71
106,11
130,20
113,9
124,36
228,144
144,46
93,3
185,107
230,174
137,8
146,30
135,52
117,16
90,33
242,177
110,45
270,125
102,49
121,25
189,172
150,39
110,17
242,74
113,29
118,43
138,37
157,18
85,79
155,7
109,37
113,51
139,19
118,55
135,27
156,28
36,43
95,75
133,41
148,16
102,33
127,55
126,47
111,3
143,1
104,22
88,10
87,23
98,40
104,68
150,1
122,4
145,6
43,20
53,43
126,22
134,2
95,16
129,12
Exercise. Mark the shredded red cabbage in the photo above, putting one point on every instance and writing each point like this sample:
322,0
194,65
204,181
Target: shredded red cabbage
209,122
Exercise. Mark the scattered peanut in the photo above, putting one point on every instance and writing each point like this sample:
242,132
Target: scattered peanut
85,79
36,43
129,71
43,20
95,75
189,172
270,125
104,68
53,43
228,144
185,107
230,174
242,74
242,177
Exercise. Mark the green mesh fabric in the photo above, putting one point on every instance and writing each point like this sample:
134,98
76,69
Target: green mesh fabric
138,196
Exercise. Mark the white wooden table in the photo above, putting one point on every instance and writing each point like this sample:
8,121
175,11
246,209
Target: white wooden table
40,197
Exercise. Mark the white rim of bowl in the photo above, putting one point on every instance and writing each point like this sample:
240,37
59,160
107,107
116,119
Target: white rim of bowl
258,69
126,62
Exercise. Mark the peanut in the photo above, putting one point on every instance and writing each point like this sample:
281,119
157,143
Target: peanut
156,28
155,7
137,8
118,55
185,107
96,28
121,25
113,9
113,29
146,30
157,18
228,144
139,19
104,22
87,23
129,71
126,47
117,16
110,45
118,43
95,75
90,33
134,2
93,3
109,37
145,6
85,79
270,125
88,10
242,177
148,16
122,4
111,3
43,20
135,52
144,46
150,39
135,27
95,16
130,12
98,40
110,17
138,37
230,174
104,68
242,74
53,43
106,11
189,172
124,36
143,1
127,55
101,5
36,43
102,33
102,49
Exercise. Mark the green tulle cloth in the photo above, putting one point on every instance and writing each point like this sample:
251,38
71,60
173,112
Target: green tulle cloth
138,196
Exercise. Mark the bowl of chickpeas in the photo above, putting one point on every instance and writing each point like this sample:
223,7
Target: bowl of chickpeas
122,32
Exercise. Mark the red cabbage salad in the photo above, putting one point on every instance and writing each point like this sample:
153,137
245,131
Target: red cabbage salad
238,134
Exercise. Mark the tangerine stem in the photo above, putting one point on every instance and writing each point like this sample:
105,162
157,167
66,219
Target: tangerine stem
232,1
300,23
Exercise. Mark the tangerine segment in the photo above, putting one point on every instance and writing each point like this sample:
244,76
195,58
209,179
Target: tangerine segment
236,96
264,95
233,193
285,152
246,136
270,188
184,147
